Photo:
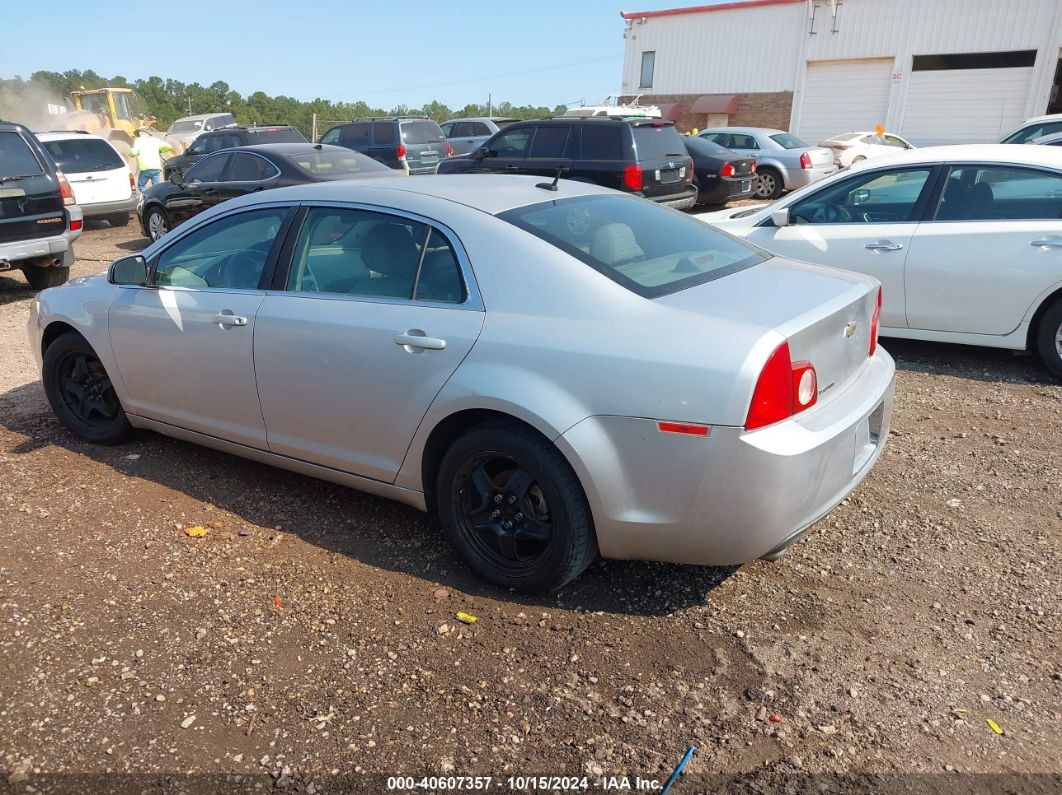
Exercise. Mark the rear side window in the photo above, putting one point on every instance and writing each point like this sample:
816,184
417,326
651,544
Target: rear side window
550,142
421,132
78,155
383,133
788,141
603,142
653,143
279,135
16,157
742,141
996,193
250,168
648,249
356,134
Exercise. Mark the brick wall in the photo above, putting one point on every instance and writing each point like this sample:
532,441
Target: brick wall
753,110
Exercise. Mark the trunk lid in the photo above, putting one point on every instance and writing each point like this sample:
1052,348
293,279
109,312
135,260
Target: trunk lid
820,156
825,314
425,143
666,166
30,203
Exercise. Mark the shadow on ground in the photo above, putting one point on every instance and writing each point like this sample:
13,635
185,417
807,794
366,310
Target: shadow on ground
968,361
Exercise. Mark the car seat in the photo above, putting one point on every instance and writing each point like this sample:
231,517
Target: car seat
389,250
615,244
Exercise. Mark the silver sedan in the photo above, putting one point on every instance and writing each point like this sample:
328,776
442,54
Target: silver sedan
555,369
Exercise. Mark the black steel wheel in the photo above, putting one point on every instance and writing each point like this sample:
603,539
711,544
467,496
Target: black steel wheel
514,509
81,393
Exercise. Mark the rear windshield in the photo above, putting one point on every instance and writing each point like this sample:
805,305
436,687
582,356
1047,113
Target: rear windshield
78,155
277,135
648,249
421,132
654,143
16,158
788,141
186,126
335,164
704,147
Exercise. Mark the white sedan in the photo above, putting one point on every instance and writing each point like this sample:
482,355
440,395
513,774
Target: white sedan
855,147
966,241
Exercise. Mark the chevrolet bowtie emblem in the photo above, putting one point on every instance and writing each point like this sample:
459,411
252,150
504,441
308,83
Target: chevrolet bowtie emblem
850,329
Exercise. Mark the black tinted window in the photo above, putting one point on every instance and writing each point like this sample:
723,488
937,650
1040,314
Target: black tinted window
653,143
421,132
550,141
644,247
440,275
383,133
512,143
78,155
209,169
16,158
356,134
250,168
602,142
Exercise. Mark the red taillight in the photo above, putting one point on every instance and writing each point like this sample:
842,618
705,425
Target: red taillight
64,189
75,225
805,160
632,177
875,319
401,151
752,167
449,150
690,429
784,388
132,183
728,170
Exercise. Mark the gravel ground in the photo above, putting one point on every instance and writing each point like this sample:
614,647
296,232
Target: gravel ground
311,633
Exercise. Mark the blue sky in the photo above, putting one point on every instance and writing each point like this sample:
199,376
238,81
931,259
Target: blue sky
542,52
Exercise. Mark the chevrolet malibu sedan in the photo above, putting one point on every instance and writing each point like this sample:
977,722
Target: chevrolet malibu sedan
966,241
555,369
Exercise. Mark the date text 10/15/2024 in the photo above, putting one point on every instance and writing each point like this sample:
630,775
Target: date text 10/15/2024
522,783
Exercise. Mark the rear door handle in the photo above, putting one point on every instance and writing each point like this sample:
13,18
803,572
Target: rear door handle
1047,243
226,318
883,245
415,339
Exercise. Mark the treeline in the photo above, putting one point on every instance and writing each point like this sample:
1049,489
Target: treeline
168,100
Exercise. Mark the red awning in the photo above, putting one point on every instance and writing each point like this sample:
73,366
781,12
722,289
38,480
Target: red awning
715,103
671,111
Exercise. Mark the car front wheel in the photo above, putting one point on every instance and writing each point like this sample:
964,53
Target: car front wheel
768,184
156,223
1049,339
80,391
514,509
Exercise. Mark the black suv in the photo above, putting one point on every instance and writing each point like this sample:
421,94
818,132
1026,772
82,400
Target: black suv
414,144
39,220
228,137
642,156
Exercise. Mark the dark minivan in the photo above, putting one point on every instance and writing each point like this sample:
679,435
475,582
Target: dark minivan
39,220
228,137
414,144
643,156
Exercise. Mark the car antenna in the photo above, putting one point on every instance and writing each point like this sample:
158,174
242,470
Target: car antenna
552,185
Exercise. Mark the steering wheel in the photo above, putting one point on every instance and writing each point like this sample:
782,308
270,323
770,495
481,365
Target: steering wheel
242,270
830,214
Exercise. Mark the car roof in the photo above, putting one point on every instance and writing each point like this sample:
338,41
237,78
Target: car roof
1019,154
201,116
745,130
67,135
493,194
289,148
482,118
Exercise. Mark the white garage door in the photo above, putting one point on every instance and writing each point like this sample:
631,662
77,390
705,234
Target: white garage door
964,106
843,95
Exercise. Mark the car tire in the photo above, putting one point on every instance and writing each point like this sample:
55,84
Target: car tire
1049,339
769,184
43,278
81,393
156,223
122,219
534,532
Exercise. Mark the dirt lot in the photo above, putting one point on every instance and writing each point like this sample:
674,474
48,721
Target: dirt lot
311,633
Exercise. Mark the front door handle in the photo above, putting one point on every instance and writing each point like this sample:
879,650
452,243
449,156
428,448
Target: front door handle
883,245
416,340
1047,243
225,318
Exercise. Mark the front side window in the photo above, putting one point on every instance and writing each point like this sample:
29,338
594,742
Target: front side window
229,253
645,80
332,136
512,143
448,129
879,197
250,168
550,142
995,193
209,169
642,246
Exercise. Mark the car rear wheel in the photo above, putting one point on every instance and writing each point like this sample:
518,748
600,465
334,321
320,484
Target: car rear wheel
157,223
122,219
42,278
768,184
1049,339
81,393
514,509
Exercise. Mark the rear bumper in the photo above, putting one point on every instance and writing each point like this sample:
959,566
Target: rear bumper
799,177
732,496
680,201
101,209
43,250
724,189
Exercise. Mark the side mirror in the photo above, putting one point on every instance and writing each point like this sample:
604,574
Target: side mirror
128,271
781,217
858,197
177,178
482,153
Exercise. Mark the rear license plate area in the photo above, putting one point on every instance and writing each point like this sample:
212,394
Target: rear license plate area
746,185
867,438
670,174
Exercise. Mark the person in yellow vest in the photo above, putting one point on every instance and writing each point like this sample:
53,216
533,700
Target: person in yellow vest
147,149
